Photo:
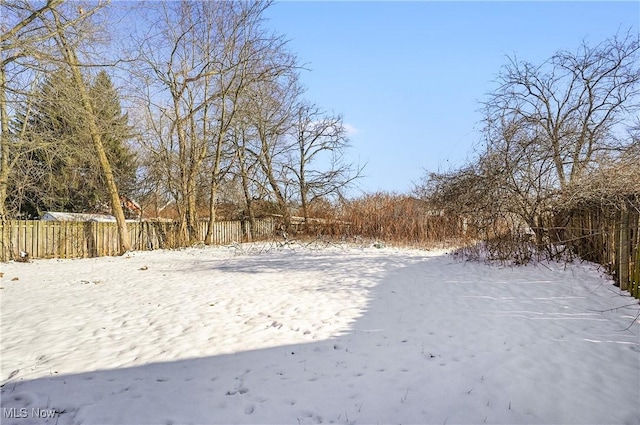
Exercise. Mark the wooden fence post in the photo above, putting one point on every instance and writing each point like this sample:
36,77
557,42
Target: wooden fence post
634,287
623,249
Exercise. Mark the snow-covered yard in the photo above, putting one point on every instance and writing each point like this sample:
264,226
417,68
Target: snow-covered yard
298,336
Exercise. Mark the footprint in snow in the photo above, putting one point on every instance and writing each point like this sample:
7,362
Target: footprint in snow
239,391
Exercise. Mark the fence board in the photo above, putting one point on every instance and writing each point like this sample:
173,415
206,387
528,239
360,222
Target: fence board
611,237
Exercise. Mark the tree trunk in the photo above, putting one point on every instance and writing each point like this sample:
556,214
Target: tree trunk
305,209
249,205
6,252
213,189
282,203
213,192
244,177
267,168
303,190
96,138
191,213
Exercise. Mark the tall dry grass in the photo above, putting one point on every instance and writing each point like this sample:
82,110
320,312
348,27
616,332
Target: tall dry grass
386,218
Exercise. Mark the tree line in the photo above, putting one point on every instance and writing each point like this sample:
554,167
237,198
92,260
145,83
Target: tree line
209,112
216,113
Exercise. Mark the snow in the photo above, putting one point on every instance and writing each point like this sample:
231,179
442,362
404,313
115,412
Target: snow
290,335
65,216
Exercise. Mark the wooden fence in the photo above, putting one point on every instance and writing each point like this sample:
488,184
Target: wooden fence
611,237
65,239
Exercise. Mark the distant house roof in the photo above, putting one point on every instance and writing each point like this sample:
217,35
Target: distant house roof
65,216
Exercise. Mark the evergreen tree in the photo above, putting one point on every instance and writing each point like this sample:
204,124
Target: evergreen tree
60,171
116,131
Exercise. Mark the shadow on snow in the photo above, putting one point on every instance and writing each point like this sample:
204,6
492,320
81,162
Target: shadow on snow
402,361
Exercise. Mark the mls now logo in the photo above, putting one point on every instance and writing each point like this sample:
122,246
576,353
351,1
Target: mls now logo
16,413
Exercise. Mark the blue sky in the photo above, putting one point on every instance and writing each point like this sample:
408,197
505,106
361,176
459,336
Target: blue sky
408,77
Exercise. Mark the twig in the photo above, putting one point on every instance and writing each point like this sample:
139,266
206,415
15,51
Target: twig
632,322
614,308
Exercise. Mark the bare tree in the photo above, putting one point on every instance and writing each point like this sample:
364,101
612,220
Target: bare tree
546,125
246,169
197,67
251,56
317,164
175,71
271,107
546,128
